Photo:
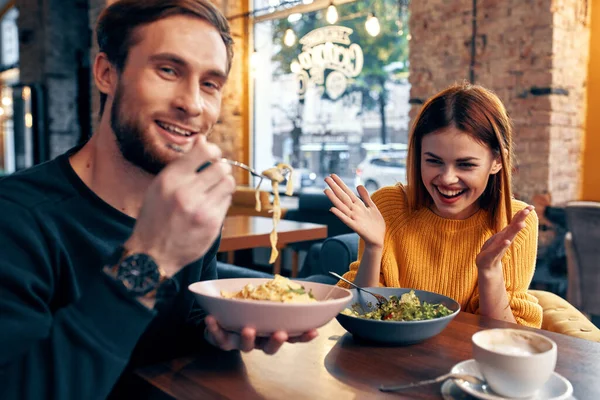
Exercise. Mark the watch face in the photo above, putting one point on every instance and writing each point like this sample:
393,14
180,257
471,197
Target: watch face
139,273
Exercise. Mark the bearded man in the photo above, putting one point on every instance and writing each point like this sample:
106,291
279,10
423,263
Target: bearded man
100,244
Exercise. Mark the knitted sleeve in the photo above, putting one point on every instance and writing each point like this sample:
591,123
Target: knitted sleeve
519,266
390,201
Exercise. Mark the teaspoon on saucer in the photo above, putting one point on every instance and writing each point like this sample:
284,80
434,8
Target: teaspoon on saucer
467,378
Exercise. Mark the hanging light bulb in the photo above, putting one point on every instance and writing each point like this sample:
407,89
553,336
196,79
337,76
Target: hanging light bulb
295,67
26,94
372,25
408,37
289,38
332,15
28,120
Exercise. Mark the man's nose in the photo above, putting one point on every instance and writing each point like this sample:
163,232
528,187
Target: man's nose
189,100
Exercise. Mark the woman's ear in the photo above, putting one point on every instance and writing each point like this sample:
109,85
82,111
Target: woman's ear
496,166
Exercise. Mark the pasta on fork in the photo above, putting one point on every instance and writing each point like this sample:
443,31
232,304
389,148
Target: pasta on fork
276,175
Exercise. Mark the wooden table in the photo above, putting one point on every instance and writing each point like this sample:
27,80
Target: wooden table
249,232
334,366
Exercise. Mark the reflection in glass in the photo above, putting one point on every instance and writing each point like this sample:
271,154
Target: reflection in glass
336,95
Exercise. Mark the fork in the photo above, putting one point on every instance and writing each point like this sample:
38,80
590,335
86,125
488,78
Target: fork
244,166
380,299
238,164
284,171
226,160
467,378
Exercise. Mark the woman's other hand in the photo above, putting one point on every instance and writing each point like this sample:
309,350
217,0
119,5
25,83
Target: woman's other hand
495,247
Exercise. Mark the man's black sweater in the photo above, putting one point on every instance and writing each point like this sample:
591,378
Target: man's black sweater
66,330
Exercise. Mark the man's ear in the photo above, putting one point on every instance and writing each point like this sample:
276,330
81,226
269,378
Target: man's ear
105,75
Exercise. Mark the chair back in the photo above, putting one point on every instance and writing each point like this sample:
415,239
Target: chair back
243,202
583,219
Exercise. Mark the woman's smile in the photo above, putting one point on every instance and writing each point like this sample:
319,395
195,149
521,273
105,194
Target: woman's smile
455,169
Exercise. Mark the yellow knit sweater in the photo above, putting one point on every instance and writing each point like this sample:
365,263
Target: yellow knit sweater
425,251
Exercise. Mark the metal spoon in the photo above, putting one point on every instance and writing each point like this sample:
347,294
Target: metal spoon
380,299
468,378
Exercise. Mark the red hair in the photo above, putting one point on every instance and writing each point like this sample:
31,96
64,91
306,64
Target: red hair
477,112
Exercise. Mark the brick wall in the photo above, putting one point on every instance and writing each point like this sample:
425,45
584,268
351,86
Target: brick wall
54,51
571,43
520,45
232,131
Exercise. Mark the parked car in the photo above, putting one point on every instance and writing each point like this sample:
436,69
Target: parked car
381,170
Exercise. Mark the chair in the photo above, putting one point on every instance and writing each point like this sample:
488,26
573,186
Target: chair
243,202
582,244
226,271
313,207
558,315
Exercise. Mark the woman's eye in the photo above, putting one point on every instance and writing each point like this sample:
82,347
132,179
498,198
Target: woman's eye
433,161
466,165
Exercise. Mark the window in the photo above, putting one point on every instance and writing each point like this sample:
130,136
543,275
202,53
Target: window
327,95
9,75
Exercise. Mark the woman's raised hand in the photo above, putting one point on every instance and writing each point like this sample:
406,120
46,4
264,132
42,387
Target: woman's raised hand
495,247
362,217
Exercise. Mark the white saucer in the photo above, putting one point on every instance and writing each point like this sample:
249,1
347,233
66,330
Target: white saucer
557,387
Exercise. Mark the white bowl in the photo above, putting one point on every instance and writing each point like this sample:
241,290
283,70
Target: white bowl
269,316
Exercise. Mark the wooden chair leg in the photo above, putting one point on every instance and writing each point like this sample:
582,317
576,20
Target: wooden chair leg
230,257
294,263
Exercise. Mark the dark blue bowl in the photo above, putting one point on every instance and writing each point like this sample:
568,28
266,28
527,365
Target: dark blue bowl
396,332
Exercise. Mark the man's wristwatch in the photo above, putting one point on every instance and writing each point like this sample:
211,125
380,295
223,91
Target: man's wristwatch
137,272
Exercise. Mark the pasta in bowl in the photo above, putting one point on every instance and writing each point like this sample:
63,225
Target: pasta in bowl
278,289
270,305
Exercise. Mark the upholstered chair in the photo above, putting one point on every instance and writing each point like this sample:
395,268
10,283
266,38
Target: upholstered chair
582,245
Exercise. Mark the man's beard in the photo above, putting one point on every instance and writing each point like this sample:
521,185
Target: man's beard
134,147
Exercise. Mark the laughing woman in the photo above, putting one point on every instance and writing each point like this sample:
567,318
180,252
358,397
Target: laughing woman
455,228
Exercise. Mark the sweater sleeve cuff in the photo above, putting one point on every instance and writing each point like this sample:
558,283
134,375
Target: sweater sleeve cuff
112,316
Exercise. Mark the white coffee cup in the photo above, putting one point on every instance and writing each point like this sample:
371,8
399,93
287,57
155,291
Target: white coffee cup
514,362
